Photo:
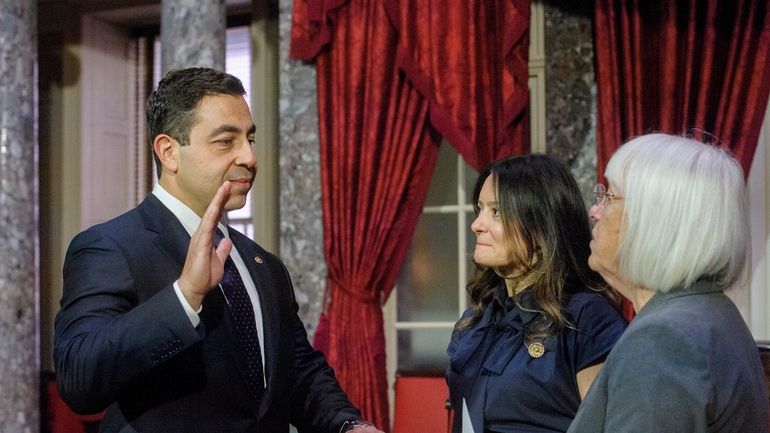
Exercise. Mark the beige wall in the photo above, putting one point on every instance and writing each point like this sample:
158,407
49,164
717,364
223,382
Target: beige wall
59,137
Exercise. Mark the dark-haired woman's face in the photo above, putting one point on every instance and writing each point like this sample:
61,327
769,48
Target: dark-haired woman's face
493,248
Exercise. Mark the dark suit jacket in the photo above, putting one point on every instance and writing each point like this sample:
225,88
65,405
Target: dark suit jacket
123,340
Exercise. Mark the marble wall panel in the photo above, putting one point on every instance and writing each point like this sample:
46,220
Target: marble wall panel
192,34
19,357
301,228
571,89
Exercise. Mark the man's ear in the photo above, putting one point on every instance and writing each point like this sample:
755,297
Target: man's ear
167,150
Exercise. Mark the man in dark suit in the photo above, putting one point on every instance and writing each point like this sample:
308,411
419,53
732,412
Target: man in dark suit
147,331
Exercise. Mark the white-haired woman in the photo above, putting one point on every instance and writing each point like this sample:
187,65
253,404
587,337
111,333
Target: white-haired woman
671,235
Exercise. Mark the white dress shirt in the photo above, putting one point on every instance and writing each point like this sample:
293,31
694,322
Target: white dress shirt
190,220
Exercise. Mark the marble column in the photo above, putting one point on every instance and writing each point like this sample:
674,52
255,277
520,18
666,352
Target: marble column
570,90
301,228
19,359
192,33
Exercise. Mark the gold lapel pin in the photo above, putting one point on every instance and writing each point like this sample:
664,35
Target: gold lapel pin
258,260
536,349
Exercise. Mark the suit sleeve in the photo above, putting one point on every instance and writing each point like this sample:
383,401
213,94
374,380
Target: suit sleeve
104,337
663,384
318,404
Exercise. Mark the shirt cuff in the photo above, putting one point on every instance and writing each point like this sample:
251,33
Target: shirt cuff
353,425
193,315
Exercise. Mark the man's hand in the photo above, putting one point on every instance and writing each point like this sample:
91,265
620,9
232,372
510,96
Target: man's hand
205,265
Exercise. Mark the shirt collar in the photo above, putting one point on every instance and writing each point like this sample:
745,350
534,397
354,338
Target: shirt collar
189,219
500,295
507,304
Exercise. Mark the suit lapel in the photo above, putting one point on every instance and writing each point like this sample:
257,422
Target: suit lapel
172,238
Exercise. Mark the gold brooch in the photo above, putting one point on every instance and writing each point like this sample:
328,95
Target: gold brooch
536,349
258,260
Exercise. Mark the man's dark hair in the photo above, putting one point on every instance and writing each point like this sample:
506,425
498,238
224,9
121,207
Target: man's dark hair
171,108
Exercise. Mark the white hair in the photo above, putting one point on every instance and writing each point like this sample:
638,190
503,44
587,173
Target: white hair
684,212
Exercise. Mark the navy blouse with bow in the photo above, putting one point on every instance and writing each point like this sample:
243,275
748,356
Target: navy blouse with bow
508,390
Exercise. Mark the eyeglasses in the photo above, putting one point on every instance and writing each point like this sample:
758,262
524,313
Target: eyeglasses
601,195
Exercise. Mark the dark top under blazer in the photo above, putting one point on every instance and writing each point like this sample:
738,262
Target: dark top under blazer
686,363
123,340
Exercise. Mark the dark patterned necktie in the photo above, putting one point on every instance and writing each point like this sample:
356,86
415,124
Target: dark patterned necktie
244,322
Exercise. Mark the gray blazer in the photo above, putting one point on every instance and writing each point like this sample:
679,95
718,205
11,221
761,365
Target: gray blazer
686,363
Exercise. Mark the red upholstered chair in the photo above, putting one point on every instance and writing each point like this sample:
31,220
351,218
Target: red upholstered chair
58,417
422,403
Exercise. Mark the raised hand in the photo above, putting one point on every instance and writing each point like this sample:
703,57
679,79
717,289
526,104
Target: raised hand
204,266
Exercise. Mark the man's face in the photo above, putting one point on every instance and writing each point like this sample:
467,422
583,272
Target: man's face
220,149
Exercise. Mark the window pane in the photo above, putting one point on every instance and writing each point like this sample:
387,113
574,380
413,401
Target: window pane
470,176
423,349
427,285
238,56
470,246
443,184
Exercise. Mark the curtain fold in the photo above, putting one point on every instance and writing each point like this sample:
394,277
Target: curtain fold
377,158
695,66
393,77
470,59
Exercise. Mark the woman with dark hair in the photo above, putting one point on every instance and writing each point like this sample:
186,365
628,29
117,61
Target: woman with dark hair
541,322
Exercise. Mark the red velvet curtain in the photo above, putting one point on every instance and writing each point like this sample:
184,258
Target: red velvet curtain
690,66
377,158
470,59
391,74
685,66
